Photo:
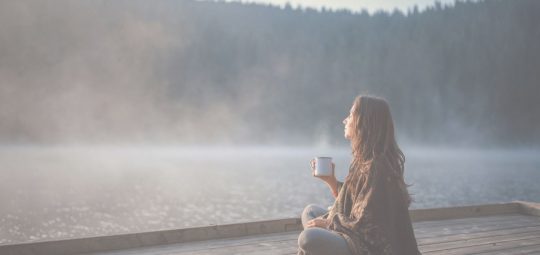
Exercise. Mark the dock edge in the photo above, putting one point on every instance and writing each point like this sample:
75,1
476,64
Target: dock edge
176,236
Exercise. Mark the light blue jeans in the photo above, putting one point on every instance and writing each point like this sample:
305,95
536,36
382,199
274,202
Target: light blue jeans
319,241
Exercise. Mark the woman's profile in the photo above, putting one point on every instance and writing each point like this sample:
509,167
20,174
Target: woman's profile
370,214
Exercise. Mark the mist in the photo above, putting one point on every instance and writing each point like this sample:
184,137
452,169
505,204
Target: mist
183,72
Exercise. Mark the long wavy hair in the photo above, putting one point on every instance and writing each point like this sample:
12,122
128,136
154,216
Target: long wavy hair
373,138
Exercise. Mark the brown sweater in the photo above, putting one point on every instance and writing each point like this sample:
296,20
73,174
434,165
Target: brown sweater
373,216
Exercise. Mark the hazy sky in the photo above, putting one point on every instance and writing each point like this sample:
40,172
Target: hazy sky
354,5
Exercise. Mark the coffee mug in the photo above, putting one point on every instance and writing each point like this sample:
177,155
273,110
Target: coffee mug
323,166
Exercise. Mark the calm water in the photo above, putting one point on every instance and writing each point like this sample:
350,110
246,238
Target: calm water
54,193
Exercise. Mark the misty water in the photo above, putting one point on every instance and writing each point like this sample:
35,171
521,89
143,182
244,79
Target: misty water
65,192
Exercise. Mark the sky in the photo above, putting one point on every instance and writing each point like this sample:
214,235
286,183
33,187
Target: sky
353,5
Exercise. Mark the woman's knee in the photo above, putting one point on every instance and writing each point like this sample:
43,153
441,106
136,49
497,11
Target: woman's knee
308,208
309,239
322,241
313,209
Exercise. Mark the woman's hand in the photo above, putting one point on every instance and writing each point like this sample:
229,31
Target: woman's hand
330,180
317,222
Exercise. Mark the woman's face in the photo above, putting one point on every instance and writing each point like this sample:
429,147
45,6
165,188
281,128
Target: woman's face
348,124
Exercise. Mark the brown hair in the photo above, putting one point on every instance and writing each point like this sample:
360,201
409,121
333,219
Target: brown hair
373,139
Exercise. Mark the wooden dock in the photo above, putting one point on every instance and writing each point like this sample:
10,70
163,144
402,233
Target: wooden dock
505,228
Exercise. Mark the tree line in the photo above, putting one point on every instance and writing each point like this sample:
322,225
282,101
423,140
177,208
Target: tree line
460,74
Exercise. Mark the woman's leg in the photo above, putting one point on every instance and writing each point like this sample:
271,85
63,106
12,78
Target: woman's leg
319,241
312,211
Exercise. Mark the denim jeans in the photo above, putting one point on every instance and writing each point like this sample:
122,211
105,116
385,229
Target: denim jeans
319,241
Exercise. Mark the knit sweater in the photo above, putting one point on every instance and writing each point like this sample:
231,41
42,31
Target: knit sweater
373,217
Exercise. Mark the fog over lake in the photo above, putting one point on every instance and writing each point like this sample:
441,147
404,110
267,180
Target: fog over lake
61,192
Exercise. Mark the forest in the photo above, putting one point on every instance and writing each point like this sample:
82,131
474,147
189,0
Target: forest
190,72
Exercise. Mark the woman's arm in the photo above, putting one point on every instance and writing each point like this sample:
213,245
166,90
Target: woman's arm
335,186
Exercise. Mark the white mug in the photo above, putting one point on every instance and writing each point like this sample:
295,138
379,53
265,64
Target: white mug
323,166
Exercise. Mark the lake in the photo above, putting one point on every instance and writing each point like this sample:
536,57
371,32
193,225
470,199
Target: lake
66,192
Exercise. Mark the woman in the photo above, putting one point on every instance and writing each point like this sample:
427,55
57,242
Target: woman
370,214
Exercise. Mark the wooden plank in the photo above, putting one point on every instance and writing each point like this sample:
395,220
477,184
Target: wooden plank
464,211
495,246
235,247
484,219
267,247
467,223
454,230
526,249
479,241
449,229
253,248
498,232
201,246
